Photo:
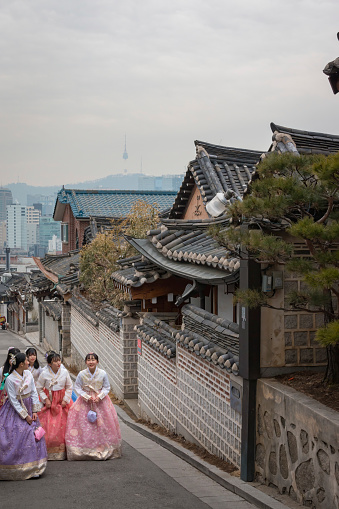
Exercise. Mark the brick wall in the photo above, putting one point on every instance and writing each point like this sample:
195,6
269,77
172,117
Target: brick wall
73,226
190,396
117,351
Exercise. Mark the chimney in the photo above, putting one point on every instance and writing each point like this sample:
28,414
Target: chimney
8,259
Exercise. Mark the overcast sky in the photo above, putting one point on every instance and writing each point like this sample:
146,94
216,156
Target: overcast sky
76,75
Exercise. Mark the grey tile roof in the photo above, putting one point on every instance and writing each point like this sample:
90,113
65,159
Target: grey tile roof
108,315
39,282
216,169
308,142
187,242
52,308
64,269
137,271
158,334
206,335
108,203
18,283
210,337
204,272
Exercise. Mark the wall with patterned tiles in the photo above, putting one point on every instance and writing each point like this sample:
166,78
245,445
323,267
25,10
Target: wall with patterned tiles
190,396
117,351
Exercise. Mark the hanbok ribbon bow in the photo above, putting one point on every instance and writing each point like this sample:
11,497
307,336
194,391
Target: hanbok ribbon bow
21,391
91,388
53,382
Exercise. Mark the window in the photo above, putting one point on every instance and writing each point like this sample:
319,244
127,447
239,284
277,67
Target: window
64,232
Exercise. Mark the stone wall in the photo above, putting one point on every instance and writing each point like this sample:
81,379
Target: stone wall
297,445
190,396
117,351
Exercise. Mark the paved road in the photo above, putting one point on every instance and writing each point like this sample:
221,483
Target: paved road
147,476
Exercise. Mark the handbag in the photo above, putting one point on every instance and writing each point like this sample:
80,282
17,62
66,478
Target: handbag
39,433
92,416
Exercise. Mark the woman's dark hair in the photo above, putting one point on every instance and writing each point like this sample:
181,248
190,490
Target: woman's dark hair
51,356
32,351
11,351
18,359
92,354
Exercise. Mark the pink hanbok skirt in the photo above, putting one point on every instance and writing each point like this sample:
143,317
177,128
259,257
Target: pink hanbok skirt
53,420
3,397
100,440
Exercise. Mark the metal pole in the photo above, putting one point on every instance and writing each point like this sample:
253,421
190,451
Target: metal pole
249,367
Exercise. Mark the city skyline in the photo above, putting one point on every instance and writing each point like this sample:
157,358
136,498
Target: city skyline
77,78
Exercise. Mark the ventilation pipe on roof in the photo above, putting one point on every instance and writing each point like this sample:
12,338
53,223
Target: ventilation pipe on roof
8,259
218,204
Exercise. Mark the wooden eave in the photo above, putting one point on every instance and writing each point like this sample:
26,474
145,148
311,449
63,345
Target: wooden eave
50,275
161,287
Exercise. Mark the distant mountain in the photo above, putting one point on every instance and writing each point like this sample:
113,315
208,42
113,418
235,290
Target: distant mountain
128,181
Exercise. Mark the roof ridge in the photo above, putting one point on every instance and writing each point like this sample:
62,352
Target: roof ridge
276,127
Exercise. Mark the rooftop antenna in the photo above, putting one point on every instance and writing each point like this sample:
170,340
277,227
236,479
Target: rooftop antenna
125,155
141,164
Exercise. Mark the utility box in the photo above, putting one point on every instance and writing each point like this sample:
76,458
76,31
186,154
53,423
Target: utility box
272,281
267,282
277,280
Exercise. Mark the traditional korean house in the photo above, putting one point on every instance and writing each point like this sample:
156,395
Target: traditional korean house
22,309
223,339
59,276
187,327
75,208
181,349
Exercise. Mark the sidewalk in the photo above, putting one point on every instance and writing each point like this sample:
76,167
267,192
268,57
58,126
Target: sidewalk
257,494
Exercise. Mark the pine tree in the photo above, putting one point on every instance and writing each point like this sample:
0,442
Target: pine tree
295,199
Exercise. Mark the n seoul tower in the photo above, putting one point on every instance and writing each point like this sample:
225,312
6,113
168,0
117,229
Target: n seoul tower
125,155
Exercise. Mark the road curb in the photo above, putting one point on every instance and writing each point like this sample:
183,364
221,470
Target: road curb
233,484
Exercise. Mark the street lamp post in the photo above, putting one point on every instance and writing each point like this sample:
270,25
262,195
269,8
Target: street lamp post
332,71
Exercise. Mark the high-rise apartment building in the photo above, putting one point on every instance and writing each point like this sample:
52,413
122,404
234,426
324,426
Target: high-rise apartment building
17,227
47,228
6,198
33,218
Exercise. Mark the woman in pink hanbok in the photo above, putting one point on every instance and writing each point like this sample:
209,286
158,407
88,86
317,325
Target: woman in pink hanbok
54,387
93,431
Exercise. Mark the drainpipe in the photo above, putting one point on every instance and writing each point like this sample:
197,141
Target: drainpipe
40,322
60,341
249,367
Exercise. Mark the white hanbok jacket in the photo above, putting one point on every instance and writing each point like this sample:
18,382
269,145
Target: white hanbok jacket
86,384
36,372
54,382
20,387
